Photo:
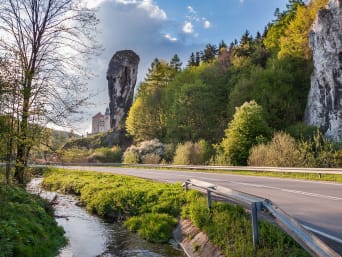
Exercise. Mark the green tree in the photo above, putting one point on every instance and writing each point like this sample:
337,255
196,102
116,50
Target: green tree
277,29
295,41
146,118
193,113
209,53
176,63
192,61
281,88
245,130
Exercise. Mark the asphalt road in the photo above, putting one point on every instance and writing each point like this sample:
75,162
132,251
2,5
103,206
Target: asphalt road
317,205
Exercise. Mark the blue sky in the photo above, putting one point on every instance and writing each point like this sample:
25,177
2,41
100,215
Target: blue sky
161,28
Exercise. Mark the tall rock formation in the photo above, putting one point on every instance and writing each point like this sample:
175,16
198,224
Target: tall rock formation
122,76
324,108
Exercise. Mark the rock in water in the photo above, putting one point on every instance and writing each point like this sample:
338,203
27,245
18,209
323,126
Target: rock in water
122,76
324,108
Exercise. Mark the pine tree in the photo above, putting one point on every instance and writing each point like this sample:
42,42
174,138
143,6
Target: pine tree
209,53
192,61
198,58
176,63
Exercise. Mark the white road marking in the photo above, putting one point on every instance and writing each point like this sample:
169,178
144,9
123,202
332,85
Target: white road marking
334,198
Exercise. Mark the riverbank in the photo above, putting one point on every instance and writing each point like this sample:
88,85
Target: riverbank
150,207
27,225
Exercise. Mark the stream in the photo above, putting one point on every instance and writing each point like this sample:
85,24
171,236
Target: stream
90,236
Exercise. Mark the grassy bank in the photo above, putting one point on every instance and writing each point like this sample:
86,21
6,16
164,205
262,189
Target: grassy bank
152,208
27,225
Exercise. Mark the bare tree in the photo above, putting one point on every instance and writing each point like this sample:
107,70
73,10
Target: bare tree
48,42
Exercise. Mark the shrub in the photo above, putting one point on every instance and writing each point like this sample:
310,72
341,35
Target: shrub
154,227
318,152
113,154
146,151
75,155
302,131
193,153
151,158
130,157
27,225
280,152
284,151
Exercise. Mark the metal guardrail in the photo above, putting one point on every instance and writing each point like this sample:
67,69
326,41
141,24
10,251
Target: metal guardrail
312,244
336,171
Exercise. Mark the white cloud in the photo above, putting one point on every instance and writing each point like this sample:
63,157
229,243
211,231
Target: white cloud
171,38
206,24
126,1
153,9
191,9
188,27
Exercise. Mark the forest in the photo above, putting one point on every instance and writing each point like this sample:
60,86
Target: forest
236,104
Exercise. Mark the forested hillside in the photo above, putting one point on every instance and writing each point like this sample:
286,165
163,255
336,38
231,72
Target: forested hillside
267,74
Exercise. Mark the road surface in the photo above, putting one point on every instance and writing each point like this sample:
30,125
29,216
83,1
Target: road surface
316,205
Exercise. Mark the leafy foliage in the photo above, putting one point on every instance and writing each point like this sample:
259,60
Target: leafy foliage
151,151
244,131
285,151
197,153
234,238
25,222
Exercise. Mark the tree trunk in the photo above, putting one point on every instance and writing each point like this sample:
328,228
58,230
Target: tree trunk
23,145
8,159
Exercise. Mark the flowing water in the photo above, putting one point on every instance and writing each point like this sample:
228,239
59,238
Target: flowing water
90,236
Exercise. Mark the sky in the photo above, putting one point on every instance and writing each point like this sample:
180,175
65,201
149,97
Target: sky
162,28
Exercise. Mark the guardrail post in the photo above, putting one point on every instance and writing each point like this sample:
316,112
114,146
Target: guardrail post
186,186
255,223
209,198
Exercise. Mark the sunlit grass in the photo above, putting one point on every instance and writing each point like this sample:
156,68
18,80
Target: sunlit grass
152,208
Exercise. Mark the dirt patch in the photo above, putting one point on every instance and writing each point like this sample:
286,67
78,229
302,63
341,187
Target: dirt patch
194,242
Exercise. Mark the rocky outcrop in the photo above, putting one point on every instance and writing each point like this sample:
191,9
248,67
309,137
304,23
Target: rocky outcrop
324,108
122,76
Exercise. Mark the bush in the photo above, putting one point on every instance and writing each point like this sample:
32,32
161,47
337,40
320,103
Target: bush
145,152
280,152
302,131
113,154
130,157
154,227
193,153
151,158
27,225
318,152
285,151
75,155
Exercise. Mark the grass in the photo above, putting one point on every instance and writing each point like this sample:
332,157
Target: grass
229,227
152,208
27,225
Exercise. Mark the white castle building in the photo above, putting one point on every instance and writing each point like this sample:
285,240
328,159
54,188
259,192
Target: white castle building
100,122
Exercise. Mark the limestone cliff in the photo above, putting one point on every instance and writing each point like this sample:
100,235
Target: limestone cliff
122,76
324,108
